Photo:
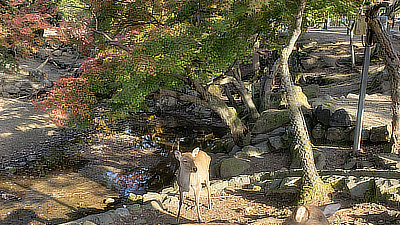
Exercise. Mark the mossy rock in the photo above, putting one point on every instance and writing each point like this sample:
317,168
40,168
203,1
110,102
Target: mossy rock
232,167
270,120
311,91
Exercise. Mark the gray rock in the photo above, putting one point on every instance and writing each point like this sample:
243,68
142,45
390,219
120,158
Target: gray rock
270,120
311,91
264,146
290,182
278,131
318,132
141,221
276,142
381,134
123,212
250,151
109,200
335,134
388,160
259,138
350,165
387,185
88,223
239,181
135,208
332,179
234,150
135,198
232,167
319,159
323,114
150,196
357,185
273,184
219,185
340,118
57,53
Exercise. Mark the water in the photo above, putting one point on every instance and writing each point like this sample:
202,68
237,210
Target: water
52,189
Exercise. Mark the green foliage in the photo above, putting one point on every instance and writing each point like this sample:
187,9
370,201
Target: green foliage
317,10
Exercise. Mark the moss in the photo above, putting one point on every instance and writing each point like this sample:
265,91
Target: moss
372,194
316,194
339,185
387,148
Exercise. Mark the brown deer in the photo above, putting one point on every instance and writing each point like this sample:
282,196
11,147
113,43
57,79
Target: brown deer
307,215
193,171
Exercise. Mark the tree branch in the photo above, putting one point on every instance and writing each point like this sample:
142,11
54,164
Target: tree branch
160,92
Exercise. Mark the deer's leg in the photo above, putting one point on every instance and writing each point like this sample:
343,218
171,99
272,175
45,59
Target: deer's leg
181,196
208,192
197,200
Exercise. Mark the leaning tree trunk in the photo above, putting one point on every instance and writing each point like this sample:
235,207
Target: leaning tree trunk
393,66
244,94
211,101
313,186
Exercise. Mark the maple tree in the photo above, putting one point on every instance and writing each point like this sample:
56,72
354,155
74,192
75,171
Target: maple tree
19,22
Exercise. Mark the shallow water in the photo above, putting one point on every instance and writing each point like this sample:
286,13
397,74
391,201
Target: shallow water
52,190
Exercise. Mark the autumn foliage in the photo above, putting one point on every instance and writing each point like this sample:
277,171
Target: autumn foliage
70,102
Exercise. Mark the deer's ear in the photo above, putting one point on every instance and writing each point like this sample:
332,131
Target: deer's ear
178,155
195,152
301,214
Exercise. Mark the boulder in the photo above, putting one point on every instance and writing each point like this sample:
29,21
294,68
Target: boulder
278,131
358,186
335,134
259,138
381,134
264,146
387,185
323,114
388,161
232,167
276,142
270,120
250,151
288,182
311,91
318,132
152,196
340,118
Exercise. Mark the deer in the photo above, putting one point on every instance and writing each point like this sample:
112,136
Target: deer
311,215
193,172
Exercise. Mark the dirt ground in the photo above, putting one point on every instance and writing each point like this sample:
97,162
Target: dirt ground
21,126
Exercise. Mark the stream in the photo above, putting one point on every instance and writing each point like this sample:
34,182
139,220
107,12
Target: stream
76,177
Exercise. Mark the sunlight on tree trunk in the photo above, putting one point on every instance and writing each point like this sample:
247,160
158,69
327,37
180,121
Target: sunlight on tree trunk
313,186
392,63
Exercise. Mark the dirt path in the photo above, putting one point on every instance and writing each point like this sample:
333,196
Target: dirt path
21,128
58,198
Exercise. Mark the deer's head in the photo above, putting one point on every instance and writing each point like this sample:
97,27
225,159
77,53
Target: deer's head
187,160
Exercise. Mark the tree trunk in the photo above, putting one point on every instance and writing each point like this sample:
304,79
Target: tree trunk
310,175
245,95
209,100
267,84
393,66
